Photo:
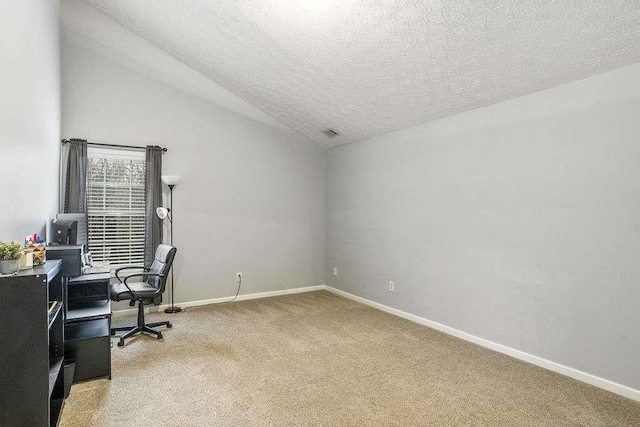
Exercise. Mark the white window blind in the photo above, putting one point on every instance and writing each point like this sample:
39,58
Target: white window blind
115,205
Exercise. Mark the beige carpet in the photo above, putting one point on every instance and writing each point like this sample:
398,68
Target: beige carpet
319,359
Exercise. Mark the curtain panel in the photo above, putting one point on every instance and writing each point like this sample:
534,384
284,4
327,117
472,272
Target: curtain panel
153,199
73,177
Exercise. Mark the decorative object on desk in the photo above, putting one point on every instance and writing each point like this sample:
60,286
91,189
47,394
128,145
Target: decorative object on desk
35,244
39,253
27,259
162,212
10,254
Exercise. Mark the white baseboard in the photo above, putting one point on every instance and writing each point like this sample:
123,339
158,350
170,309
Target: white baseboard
530,358
156,308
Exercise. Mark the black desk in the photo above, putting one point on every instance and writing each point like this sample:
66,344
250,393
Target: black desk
87,325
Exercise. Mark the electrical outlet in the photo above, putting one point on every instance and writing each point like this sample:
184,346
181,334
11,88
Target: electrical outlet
335,271
392,286
238,277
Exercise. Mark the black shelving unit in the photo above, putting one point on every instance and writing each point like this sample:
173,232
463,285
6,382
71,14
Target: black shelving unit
32,343
87,326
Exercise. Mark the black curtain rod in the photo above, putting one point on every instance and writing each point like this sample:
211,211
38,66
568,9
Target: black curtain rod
99,144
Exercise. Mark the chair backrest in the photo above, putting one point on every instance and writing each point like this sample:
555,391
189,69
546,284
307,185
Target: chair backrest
161,264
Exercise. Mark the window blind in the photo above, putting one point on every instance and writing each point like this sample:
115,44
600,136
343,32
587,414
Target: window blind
116,205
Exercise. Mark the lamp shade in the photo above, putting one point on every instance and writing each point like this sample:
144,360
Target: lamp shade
171,179
307,5
162,212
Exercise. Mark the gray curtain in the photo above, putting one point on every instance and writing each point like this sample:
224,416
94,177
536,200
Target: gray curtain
73,176
153,199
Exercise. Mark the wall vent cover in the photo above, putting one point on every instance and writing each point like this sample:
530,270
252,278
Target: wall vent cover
330,133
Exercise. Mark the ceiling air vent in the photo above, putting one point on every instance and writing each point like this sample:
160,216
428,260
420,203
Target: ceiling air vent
330,133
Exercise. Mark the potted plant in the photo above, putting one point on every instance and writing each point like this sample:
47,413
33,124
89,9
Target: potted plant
10,254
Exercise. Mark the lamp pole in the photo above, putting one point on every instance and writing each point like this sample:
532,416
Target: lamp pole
173,308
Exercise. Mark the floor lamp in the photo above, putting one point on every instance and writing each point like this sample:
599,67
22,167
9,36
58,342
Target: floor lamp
171,181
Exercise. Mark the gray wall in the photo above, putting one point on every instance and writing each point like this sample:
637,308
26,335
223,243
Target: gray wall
518,223
30,115
251,197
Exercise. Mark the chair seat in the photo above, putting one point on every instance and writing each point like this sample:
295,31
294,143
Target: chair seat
119,291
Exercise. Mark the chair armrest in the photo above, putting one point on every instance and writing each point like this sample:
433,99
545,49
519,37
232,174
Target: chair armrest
133,294
129,267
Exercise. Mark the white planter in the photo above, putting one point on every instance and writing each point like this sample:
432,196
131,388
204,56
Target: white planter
9,266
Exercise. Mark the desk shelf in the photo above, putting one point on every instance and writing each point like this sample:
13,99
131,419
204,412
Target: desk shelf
54,372
54,312
90,310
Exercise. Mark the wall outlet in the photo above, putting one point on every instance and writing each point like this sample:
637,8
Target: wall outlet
392,286
335,271
238,277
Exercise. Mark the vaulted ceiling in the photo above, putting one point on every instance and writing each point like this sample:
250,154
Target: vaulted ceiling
368,67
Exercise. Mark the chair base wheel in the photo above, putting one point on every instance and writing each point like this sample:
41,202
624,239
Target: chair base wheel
140,328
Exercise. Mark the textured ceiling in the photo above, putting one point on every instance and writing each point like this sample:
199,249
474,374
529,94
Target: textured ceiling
368,67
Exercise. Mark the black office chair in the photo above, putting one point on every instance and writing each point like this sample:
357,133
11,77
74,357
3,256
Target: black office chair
154,280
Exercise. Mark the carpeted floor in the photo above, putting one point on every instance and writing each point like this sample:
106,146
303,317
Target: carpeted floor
319,359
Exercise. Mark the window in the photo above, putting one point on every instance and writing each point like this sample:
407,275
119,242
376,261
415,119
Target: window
115,205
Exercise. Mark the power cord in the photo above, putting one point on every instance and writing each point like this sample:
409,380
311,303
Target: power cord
237,292
225,302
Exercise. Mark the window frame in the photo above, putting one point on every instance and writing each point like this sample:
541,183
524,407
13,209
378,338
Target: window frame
111,231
